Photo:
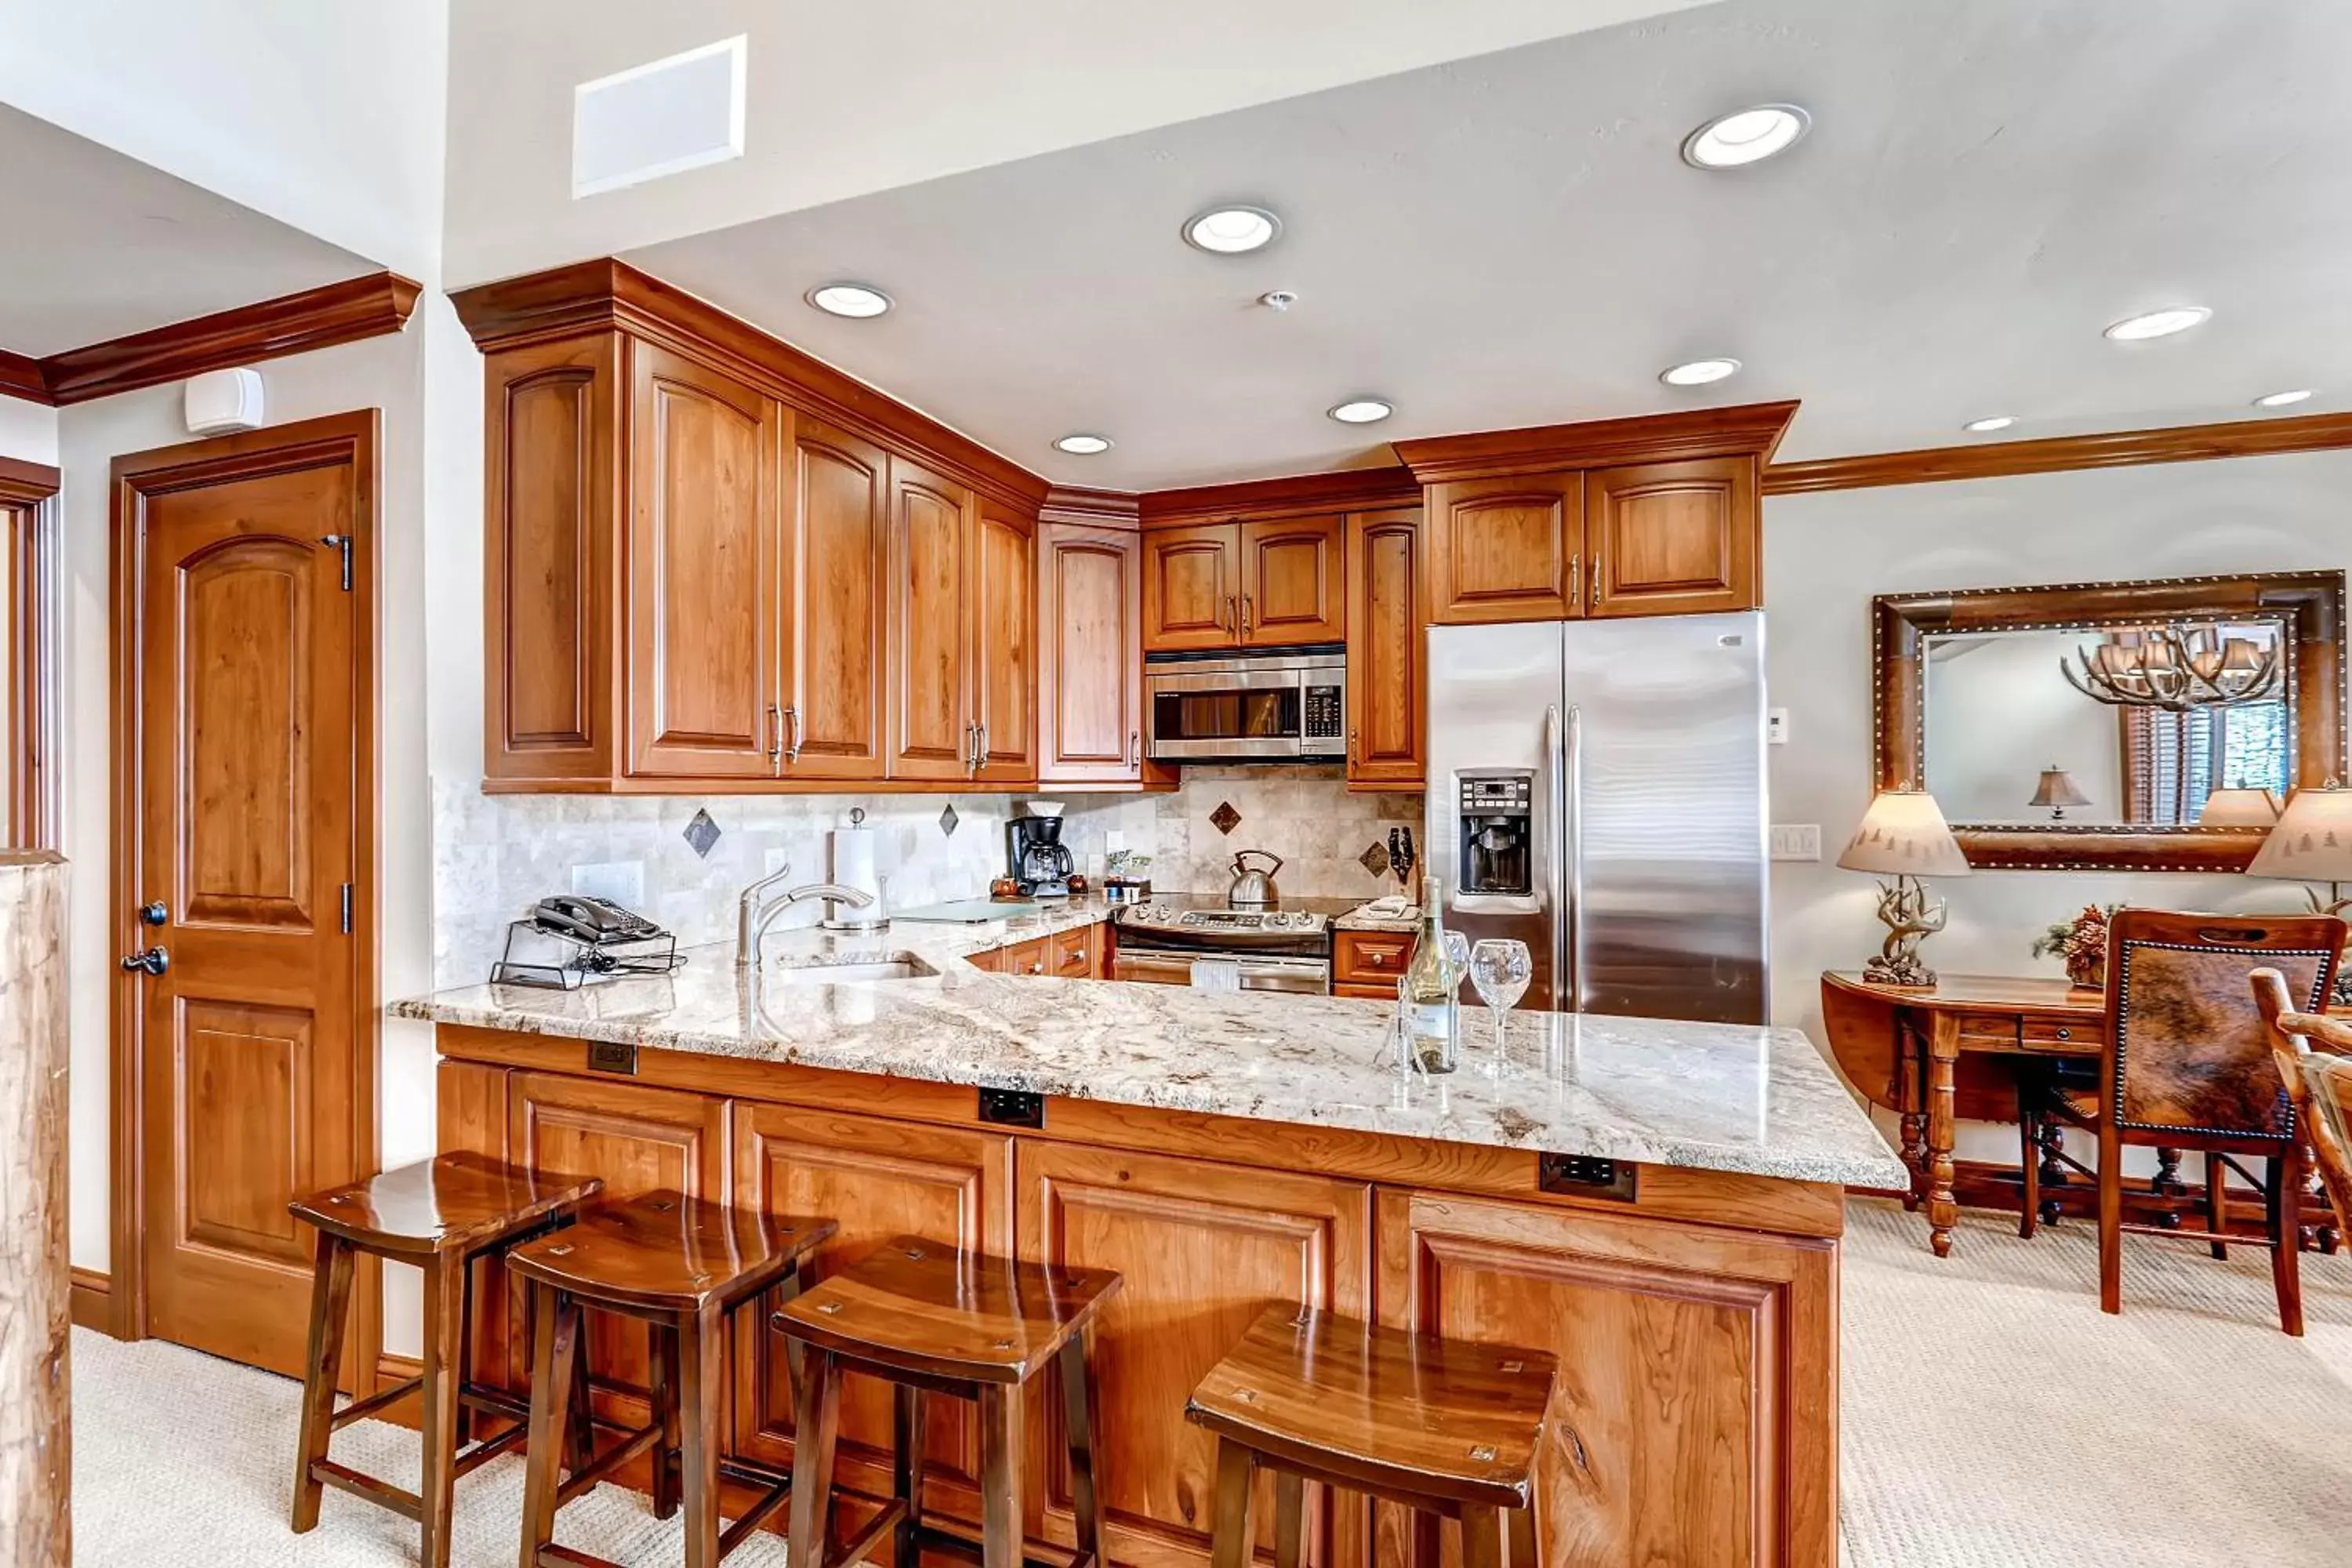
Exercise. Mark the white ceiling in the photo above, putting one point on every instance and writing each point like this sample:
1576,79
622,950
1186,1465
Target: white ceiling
103,246
1513,240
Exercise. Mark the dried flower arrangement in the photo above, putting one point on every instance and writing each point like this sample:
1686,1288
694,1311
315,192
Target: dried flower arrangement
2080,944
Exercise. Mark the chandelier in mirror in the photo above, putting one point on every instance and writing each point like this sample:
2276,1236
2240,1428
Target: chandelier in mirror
2178,666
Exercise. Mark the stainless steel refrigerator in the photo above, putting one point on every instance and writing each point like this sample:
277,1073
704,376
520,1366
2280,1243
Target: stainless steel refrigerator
1596,789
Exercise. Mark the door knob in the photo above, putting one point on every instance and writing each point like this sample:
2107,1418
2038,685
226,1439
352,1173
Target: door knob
152,960
154,914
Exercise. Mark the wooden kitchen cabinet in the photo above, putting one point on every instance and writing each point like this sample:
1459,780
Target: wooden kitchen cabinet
1035,956
1388,685
1507,549
1003,642
1076,953
1089,654
932,726
1738,1468
1192,588
836,642
1369,964
1201,1248
1674,539
1292,573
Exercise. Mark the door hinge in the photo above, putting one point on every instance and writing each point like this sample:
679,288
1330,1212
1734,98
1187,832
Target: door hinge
347,908
340,542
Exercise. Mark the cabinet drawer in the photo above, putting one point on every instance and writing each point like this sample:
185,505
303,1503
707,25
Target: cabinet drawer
2088,1036
1994,1033
1371,957
1073,952
1032,957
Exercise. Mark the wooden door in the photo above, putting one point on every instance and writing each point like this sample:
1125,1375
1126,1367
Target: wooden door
836,628
1388,685
1192,587
931,723
1002,656
1506,550
879,1179
640,1140
1675,539
248,778
1732,1469
1089,654
1292,572
1202,1249
702,677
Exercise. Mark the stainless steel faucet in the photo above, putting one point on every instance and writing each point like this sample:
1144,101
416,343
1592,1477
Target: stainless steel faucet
748,908
756,919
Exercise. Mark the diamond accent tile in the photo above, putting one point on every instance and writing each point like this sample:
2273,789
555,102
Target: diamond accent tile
1375,860
702,833
948,820
1225,818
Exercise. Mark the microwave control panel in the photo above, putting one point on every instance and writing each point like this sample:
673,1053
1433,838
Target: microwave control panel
1322,719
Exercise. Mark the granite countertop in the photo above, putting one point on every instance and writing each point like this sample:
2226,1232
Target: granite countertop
1711,1097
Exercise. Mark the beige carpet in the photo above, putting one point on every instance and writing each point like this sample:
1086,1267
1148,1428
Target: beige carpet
2189,1430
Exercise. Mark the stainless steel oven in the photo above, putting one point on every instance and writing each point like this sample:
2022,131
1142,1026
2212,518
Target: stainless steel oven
1263,707
1254,971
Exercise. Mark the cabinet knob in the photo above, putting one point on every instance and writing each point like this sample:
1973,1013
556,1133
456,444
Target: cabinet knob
2065,1033
1377,960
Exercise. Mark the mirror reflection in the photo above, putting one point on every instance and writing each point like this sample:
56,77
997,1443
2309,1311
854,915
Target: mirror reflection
2169,726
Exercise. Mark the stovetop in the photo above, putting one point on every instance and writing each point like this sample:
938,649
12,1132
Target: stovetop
1207,918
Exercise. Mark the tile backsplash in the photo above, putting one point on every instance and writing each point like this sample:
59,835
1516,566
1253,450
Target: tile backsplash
1304,813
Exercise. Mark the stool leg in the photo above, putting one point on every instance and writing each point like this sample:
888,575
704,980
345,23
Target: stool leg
1234,1531
331,1299
700,1363
580,1415
1078,1415
816,1423
555,1343
661,1354
445,1328
1482,1536
907,1473
1289,1519
1000,1476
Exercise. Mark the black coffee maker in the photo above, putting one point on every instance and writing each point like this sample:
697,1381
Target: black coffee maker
1036,859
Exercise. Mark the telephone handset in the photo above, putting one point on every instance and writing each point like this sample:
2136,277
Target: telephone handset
593,921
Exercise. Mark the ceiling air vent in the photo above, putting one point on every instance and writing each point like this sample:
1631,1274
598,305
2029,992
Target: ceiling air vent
659,119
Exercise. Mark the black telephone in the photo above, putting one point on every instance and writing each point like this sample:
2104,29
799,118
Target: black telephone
593,921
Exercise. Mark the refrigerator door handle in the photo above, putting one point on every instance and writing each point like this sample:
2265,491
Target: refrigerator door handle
1573,925
1554,794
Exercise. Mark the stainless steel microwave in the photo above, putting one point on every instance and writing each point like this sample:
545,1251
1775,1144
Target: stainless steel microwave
1268,707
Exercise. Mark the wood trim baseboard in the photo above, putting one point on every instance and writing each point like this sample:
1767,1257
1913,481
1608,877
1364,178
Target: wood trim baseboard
93,1300
2060,454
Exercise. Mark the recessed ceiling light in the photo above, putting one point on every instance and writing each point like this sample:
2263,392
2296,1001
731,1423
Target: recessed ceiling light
1362,411
2281,399
1083,444
855,300
1749,136
1998,422
1698,372
2158,323
1230,231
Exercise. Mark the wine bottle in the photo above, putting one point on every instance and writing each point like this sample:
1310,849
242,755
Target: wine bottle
1432,988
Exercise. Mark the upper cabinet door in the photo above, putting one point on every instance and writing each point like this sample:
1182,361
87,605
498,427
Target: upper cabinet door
1292,573
702,572
931,727
839,519
1005,642
1089,655
1506,550
1192,587
1675,539
1388,690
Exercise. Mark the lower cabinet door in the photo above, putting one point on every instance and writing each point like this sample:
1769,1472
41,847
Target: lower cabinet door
1201,1249
640,1140
1678,1436
878,1179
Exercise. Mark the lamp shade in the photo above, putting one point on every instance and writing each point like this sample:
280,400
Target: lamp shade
1904,833
2312,840
2238,808
2057,788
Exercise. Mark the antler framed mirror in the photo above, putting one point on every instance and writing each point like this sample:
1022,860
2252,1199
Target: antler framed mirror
2148,726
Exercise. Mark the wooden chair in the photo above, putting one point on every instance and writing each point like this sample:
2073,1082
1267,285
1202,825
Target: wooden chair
926,1315
2188,1064
442,1215
681,1266
1445,1426
2314,1054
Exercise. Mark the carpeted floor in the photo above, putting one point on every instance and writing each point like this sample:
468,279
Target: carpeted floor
2188,1431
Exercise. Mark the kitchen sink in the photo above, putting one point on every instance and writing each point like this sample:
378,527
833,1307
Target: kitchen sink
902,966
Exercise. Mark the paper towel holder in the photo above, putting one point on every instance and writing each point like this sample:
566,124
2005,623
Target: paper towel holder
840,917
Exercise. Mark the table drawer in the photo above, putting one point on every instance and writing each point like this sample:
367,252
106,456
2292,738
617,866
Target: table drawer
1371,957
2078,1034
1988,1034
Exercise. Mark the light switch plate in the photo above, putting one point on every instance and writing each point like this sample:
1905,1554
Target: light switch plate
622,882
1796,841
1776,726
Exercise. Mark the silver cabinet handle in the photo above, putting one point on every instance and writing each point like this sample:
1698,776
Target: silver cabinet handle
1575,579
793,747
1248,612
775,734
1135,749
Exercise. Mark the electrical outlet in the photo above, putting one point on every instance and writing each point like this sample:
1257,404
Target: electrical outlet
1776,726
1796,841
622,882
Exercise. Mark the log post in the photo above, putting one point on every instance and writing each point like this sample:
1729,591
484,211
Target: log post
34,1284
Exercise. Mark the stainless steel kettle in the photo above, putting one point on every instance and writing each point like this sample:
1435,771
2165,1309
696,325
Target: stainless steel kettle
1253,890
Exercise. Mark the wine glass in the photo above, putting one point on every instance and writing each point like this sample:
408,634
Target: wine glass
1501,968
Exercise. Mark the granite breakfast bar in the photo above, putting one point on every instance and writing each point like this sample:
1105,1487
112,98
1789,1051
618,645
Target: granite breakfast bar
1659,1204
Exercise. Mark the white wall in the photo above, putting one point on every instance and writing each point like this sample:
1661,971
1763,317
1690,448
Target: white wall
28,431
1999,712
1825,555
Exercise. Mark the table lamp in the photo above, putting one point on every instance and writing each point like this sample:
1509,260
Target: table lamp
2312,842
2238,808
1904,834
2057,791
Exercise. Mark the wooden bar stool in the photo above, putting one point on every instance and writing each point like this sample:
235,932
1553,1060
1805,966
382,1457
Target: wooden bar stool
680,1265
925,1315
441,1215
1444,1425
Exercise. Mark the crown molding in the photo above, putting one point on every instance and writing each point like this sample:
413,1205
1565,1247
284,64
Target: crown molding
610,295
1090,507
1744,430
2059,453
26,484
1343,489
21,377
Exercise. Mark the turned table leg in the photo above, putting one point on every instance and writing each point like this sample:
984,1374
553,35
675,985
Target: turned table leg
1943,1057
1915,1133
